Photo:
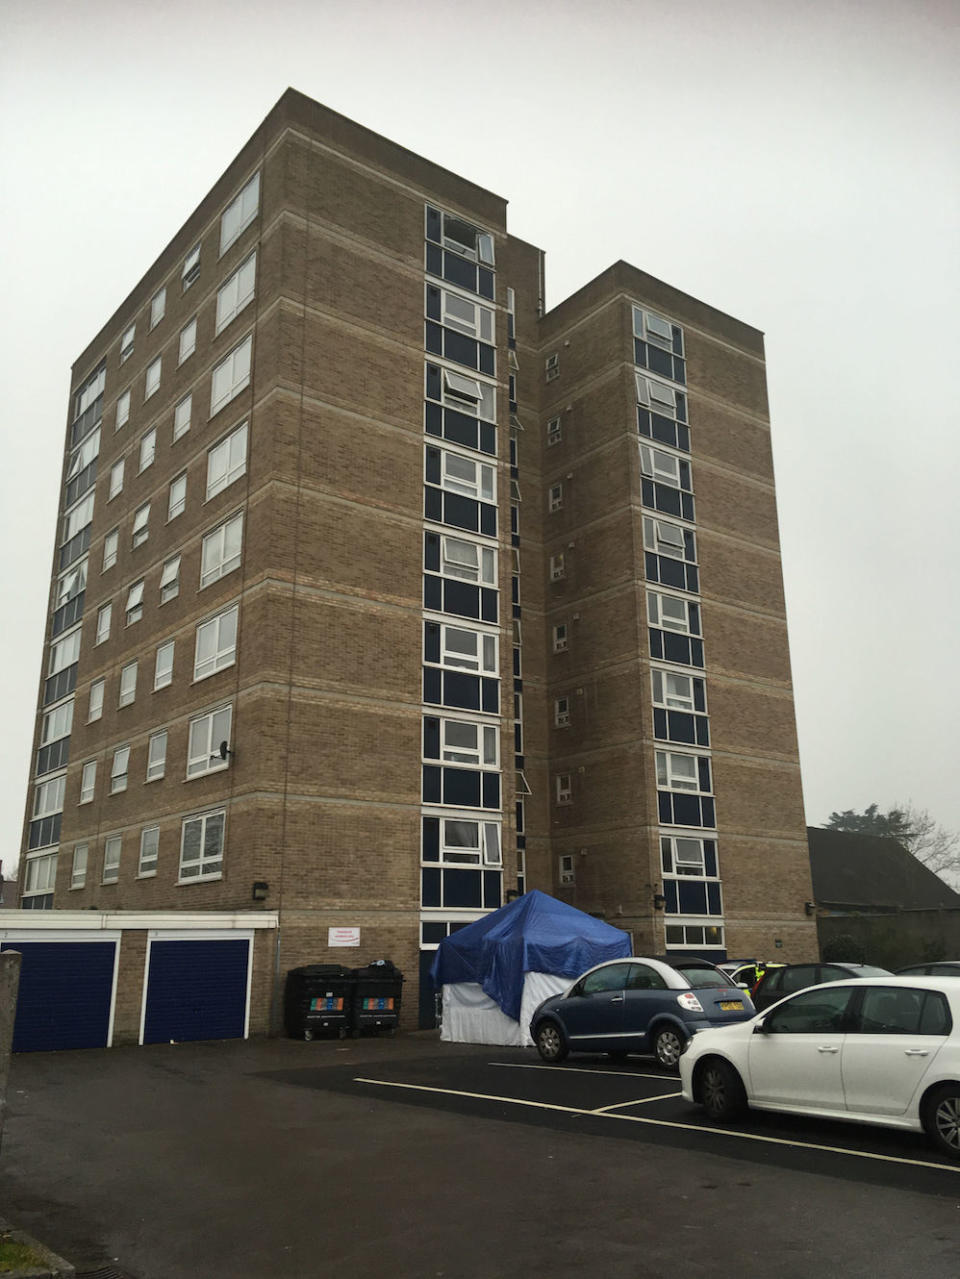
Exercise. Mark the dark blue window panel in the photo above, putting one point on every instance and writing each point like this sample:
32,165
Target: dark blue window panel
42,901
703,766
699,695
431,642
709,812
429,886
694,615
667,500
431,471
461,788
55,755
431,933
462,598
60,685
670,892
683,435
491,790
488,438
664,807
489,604
492,889
681,726
64,996
432,415
433,593
433,504
702,730
713,899
434,225
676,809
459,511
656,643
515,589
433,337
434,258
434,385
519,761
67,614
693,897
516,659
488,519
659,361
521,841
461,690
196,990
431,839
80,483
462,888
431,784
696,653
461,429
459,271
710,858
431,737
490,693
485,282
686,810
693,579
432,685
518,738
73,549
87,420
44,831
431,552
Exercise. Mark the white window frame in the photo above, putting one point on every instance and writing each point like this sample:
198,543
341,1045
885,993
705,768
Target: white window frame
222,653
188,341
71,583
116,479
48,797
561,712
660,619
656,541
57,723
467,393
668,695
650,327
484,754
558,569
85,453
483,572
40,874
696,867
64,652
120,770
563,789
78,866
561,638
660,466
148,450
554,431
158,307
237,292
231,375
227,460
151,381
485,853
141,525
127,342
123,409
112,853
104,622
482,487
465,314
149,852
128,684
191,268
133,611
95,700
88,782
482,248
204,735
655,395
484,661
239,213
551,366
78,517
162,669
670,776
170,580
157,756
556,497
199,868
566,868
216,541
177,496
182,415
111,549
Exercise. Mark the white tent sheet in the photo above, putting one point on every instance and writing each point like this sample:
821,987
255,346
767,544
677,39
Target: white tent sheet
472,1017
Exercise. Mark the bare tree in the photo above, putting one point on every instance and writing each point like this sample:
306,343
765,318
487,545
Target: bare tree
932,845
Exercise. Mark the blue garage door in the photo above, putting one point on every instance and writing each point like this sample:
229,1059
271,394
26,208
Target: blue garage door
65,993
196,990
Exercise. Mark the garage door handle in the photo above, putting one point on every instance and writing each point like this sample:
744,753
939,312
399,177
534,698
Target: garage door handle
916,1052
826,1048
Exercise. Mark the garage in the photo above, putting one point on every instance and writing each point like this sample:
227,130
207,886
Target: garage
67,993
197,987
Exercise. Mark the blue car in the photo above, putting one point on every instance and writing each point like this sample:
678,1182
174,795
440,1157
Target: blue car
638,1005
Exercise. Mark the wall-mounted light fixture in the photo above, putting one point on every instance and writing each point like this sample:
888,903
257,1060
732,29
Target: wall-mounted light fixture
260,890
810,908
659,901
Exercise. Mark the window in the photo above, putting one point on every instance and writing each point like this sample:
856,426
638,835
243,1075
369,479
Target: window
156,756
461,392
237,293
77,518
462,841
560,638
668,539
148,449
158,308
88,782
239,213
676,692
230,376
556,497
56,724
463,742
564,788
552,367
201,846
191,267
188,341
163,671
207,734
227,461
682,855
170,580
91,390
128,684
554,431
95,700
813,1012
149,848
134,609
48,799
126,343
682,772
78,871
557,568
123,410
152,382
71,583
177,501
658,397
111,859
104,616
181,416
658,344
673,614
458,474
85,454
141,525
468,561
118,773
40,876
221,551
694,935
459,236
565,865
561,712
664,467
468,650
116,479
216,644
64,653
111,544
460,313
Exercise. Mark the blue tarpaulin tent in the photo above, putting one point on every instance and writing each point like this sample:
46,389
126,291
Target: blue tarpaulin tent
534,934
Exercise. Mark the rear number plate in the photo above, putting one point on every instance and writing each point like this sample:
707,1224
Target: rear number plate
731,1006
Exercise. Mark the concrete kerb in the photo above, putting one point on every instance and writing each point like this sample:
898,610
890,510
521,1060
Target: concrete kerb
52,1267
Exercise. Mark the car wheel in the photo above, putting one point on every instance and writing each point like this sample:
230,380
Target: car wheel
941,1119
720,1090
667,1046
551,1044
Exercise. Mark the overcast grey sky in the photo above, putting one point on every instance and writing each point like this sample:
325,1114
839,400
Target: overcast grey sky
792,162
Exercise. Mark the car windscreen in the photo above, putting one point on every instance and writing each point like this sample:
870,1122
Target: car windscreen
701,978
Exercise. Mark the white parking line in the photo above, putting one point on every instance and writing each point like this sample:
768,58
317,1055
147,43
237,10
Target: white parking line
641,1101
665,1123
574,1070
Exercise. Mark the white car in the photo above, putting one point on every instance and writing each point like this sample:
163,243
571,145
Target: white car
878,1050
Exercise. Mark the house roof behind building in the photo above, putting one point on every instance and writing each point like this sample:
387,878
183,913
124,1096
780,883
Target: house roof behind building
867,871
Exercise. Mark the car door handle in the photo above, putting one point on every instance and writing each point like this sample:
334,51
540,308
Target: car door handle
916,1052
827,1048
616,999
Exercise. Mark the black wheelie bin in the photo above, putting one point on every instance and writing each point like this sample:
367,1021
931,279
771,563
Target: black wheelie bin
318,999
377,993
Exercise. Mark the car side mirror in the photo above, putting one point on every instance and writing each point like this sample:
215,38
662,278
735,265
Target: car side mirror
760,1028
742,985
